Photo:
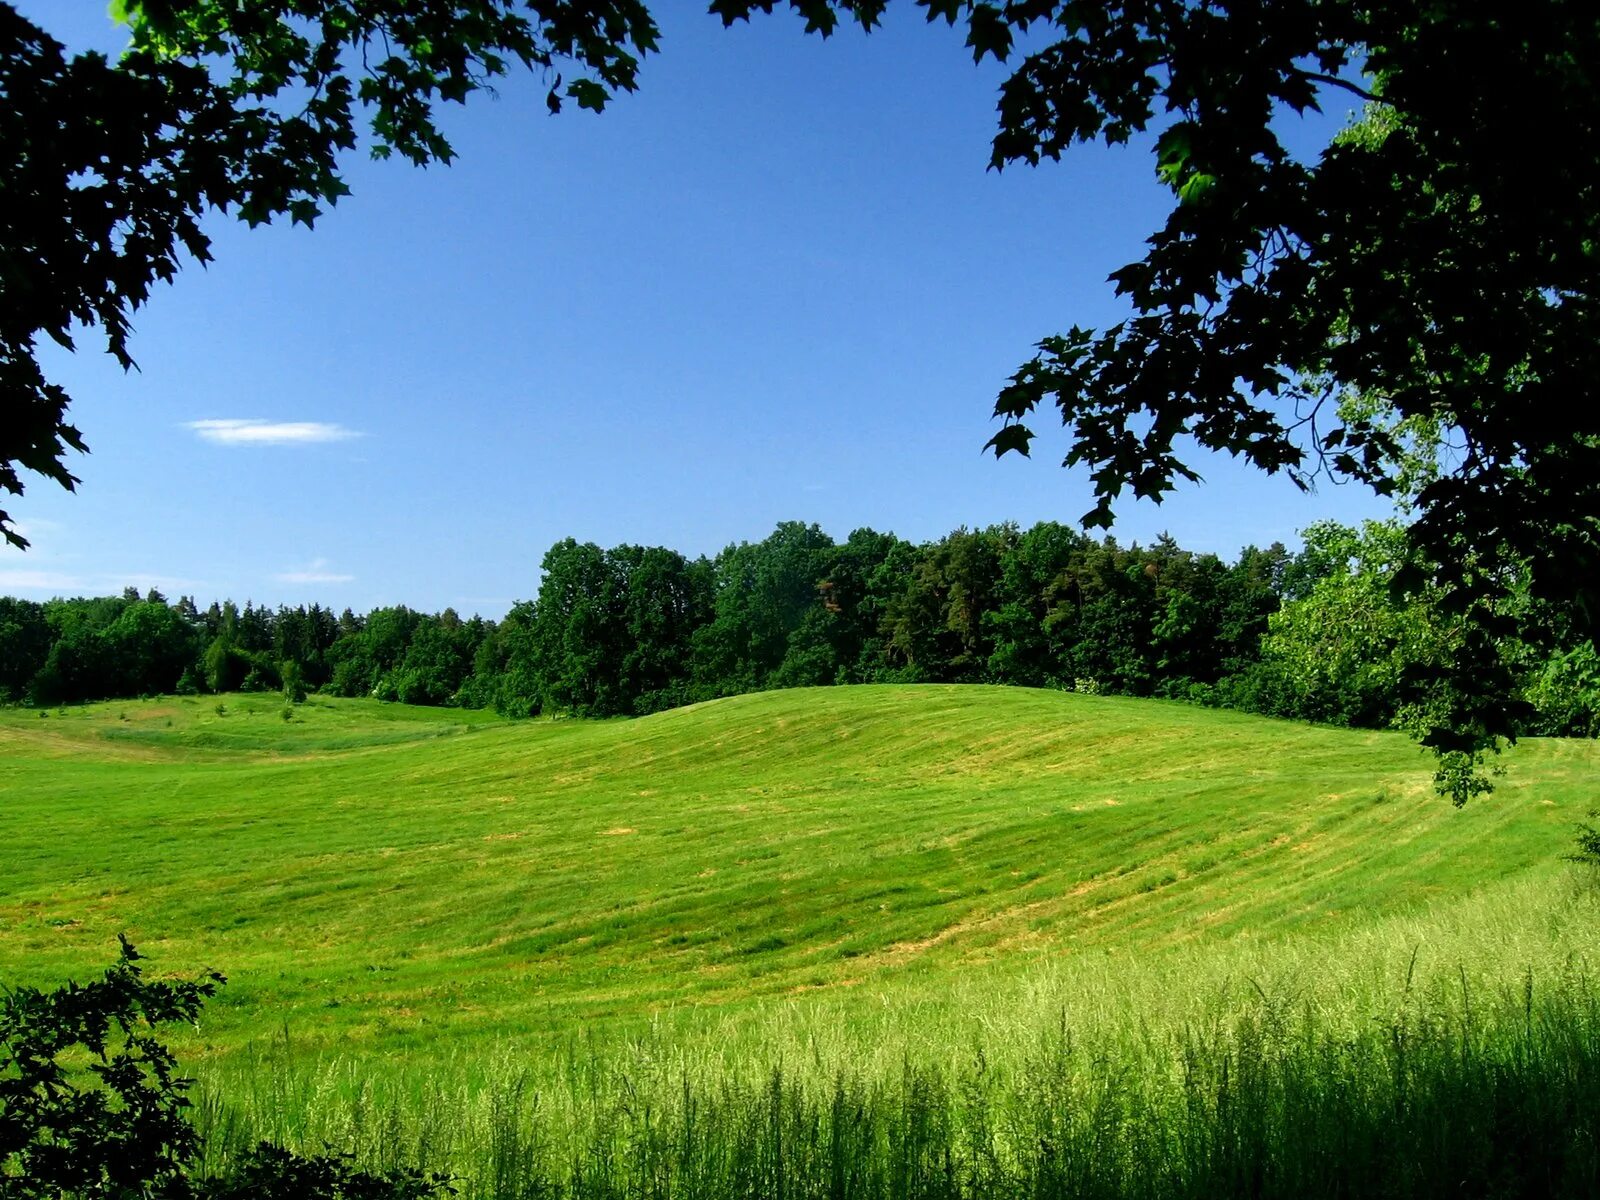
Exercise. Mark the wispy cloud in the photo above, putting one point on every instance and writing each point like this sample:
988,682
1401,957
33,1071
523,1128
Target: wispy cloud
249,431
21,579
64,583
316,571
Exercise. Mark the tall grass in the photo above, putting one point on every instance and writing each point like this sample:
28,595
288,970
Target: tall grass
1452,1052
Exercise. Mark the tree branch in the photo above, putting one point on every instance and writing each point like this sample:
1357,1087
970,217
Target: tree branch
1335,81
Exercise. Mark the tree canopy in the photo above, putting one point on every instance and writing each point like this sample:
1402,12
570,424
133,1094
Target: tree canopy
1318,635
1434,270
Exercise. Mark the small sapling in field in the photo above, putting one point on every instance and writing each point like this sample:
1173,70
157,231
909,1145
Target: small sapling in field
1588,848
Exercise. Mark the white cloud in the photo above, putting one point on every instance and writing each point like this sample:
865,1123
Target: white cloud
61,583
242,431
316,571
24,580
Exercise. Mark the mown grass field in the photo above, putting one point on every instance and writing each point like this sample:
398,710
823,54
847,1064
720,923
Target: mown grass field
441,917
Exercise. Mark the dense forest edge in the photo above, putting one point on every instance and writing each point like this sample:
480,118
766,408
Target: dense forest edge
1324,634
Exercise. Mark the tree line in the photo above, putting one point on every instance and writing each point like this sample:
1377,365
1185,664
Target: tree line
1323,633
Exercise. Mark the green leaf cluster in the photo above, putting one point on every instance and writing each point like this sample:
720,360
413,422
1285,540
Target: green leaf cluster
92,1106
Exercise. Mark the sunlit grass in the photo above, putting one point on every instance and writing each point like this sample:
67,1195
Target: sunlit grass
375,874
443,930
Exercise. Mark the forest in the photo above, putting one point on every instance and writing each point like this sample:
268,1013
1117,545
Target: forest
1324,634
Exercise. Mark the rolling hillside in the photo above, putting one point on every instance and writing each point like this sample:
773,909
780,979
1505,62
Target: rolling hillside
369,873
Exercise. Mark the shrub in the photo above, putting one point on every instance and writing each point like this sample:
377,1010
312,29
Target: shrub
272,1173
293,679
260,678
1588,851
120,1129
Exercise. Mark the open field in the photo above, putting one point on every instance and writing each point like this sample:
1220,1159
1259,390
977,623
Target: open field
385,874
431,919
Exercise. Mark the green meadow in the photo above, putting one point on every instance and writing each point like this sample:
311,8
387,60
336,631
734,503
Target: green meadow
945,940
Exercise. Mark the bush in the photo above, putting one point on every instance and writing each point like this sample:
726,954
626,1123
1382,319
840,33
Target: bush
262,677
1588,851
293,679
120,1129
1565,694
272,1173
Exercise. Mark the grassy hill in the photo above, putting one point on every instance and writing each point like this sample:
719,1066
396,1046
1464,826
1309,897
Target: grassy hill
912,941
373,872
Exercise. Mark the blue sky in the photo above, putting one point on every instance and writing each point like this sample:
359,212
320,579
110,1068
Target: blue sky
776,283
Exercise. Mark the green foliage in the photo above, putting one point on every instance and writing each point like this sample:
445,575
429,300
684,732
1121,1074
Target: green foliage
225,666
578,642
508,668
260,677
1587,852
763,591
304,636
1344,648
438,655
148,648
118,1127
25,636
293,678
1367,641
367,656
269,1172
1565,693
1338,632
82,649
1433,269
